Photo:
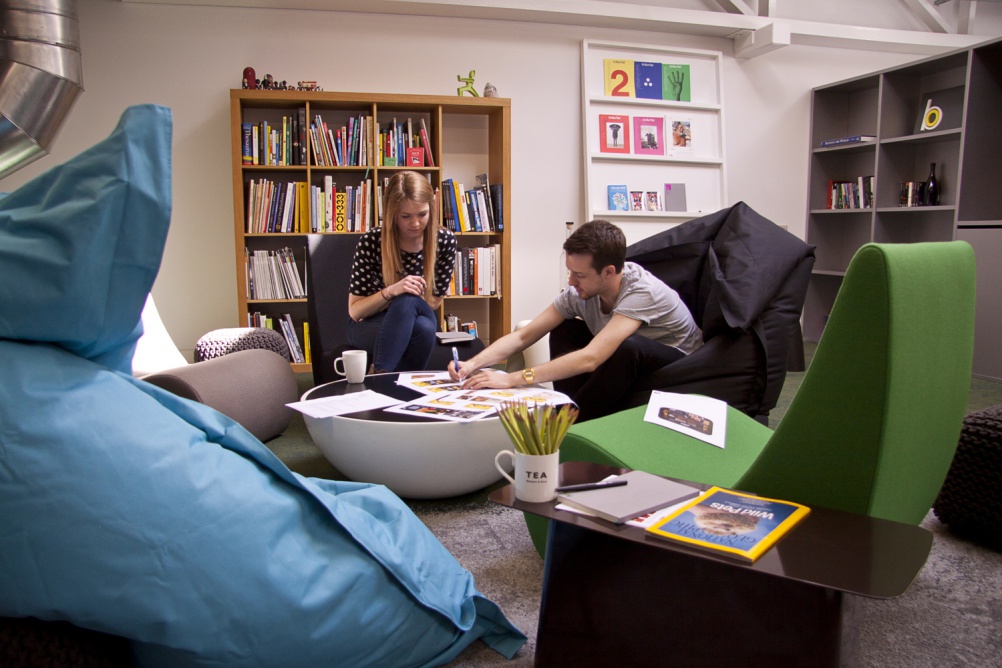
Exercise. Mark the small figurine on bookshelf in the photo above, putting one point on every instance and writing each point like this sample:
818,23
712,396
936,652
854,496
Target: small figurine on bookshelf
250,78
467,86
490,90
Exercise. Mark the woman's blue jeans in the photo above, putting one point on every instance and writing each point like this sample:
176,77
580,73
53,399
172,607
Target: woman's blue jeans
400,338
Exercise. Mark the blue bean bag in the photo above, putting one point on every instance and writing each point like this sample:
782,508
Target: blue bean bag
128,510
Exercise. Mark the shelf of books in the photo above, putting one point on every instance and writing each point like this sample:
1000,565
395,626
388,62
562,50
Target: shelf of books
308,162
653,132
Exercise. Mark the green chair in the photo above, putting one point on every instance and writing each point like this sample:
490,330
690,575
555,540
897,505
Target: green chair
874,424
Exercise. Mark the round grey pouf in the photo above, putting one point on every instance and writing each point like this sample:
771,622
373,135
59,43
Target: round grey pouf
221,342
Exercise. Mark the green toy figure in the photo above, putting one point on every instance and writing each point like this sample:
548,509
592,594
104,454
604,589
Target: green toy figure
467,86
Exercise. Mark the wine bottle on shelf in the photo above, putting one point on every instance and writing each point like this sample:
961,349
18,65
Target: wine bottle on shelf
932,187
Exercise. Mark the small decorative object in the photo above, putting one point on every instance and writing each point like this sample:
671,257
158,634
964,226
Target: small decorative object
467,86
308,85
250,80
536,436
490,90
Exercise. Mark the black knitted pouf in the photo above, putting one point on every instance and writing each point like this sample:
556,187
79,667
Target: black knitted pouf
967,501
221,342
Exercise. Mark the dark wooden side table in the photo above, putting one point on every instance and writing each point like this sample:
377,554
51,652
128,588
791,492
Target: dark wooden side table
614,596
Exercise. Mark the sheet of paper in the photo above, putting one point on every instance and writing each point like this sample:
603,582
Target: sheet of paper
429,382
344,404
700,417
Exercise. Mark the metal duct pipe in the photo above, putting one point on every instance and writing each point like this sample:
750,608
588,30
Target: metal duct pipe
40,76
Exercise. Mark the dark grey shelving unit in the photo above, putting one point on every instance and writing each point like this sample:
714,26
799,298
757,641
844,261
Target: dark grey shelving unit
965,147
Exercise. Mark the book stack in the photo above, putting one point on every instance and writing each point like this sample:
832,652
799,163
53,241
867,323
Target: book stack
273,274
277,207
474,209
278,144
347,146
643,493
476,271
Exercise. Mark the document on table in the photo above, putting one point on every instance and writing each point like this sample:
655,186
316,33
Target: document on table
701,417
344,404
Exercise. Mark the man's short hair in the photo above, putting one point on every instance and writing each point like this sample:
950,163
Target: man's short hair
605,242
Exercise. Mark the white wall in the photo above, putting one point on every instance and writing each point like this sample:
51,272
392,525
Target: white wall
188,58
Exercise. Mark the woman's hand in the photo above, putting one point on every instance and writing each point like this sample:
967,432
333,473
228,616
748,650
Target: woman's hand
414,285
489,379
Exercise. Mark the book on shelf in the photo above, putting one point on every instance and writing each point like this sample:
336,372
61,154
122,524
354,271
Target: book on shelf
854,139
247,143
619,77
288,330
674,199
497,204
731,523
676,82
940,110
614,133
643,493
415,156
649,135
681,137
637,202
426,142
647,79
652,200
307,352
619,197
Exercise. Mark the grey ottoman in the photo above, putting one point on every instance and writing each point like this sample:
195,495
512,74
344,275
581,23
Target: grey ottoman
221,342
966,502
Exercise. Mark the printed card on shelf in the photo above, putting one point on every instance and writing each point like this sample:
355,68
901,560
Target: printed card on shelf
614,133
649,135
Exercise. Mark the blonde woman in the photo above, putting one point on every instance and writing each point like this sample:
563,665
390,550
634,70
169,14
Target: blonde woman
399,275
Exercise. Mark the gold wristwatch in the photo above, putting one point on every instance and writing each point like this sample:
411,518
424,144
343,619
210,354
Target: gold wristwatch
529,376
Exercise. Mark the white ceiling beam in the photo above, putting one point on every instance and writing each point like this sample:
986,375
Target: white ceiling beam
965,16
736,7
628,16
929,15
766,7
753,43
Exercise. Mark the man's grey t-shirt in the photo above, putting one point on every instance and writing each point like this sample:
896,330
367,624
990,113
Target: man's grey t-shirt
642,296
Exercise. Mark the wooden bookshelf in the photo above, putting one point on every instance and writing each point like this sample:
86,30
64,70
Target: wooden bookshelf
965,147
468,136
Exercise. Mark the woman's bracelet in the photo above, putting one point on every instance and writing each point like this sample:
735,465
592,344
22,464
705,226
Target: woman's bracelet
383,295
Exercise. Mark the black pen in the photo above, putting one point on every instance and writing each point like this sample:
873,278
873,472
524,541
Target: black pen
592,485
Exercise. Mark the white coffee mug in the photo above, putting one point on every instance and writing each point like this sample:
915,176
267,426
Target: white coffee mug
536,476
352,365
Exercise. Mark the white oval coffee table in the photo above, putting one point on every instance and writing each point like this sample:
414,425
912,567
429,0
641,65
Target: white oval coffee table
417,458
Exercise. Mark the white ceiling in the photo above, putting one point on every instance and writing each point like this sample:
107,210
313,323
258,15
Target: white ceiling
754,25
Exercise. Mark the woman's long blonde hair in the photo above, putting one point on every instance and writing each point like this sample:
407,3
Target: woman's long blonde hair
408,186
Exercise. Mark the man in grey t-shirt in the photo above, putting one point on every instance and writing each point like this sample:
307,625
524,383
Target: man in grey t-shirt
618,320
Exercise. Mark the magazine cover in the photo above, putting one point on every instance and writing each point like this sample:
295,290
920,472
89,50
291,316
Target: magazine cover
649,135
614,133
677,83
619,77
734,523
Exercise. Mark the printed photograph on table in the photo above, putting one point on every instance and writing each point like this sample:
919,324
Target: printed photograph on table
619,198
614,133
677,83
647,80
681,137
648,135
619,78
